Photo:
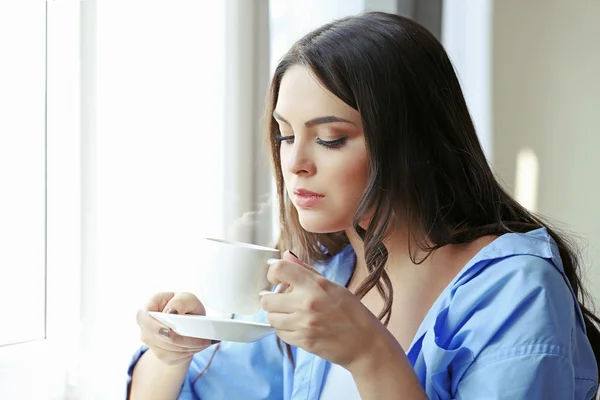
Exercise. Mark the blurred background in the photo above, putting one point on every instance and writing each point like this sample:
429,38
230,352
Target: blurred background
131,129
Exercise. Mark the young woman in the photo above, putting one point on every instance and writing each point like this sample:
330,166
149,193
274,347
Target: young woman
412,273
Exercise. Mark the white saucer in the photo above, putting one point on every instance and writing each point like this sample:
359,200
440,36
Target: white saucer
213,328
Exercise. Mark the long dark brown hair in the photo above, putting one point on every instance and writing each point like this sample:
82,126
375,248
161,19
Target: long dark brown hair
427,167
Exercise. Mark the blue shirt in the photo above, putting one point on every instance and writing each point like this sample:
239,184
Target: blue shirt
507,327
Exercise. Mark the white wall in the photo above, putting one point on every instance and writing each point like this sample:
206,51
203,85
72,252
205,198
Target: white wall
546,97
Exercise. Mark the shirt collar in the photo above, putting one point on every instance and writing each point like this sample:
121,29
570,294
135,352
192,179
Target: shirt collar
537,242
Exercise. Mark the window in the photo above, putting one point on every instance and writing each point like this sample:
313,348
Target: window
22,171
39,177
152,173
291,20
135,151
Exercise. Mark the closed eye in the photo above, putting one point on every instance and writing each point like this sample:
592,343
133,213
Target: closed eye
287,139
332,144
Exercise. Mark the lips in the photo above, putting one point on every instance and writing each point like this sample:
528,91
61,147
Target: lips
305,198
304,192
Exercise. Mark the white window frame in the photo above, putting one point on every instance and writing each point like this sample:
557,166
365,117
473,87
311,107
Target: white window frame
467,37
40,367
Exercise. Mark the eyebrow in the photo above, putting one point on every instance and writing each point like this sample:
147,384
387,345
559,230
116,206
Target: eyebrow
328,119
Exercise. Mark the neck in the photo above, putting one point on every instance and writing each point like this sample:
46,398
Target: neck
398,253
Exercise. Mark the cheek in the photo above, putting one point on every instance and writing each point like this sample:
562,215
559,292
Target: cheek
354,177
283,162
288,176
282,158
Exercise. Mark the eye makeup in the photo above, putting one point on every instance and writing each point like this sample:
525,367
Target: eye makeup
281,138
330,144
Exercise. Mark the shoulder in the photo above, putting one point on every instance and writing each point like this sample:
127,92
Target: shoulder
521,323
511,311
512,294
516,293
515,282
518,299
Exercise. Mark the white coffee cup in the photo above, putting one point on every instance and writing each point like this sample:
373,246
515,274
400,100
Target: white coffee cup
234,275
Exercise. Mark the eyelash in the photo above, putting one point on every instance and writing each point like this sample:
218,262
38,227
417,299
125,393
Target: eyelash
330,144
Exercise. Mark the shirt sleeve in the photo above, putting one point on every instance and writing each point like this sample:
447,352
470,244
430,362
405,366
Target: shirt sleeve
527,376
134,359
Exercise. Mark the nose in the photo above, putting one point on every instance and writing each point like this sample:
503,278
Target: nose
299,160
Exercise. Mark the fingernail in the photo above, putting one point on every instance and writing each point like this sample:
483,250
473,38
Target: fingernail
164,332
171,311
292,253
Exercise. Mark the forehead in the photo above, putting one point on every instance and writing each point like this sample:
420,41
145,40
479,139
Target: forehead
302,97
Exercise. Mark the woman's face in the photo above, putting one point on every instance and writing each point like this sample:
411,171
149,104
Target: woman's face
323,153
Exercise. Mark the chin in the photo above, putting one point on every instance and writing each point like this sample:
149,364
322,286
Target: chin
316,222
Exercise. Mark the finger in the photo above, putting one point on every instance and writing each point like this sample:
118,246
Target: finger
289,256
184,303
163,333
281,303
292,338
155,342
284,271
167,339
159,300
183,342
188,342
282,322
280,288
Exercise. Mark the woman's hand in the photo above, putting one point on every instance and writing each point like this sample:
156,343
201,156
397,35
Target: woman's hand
319,315
169,347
